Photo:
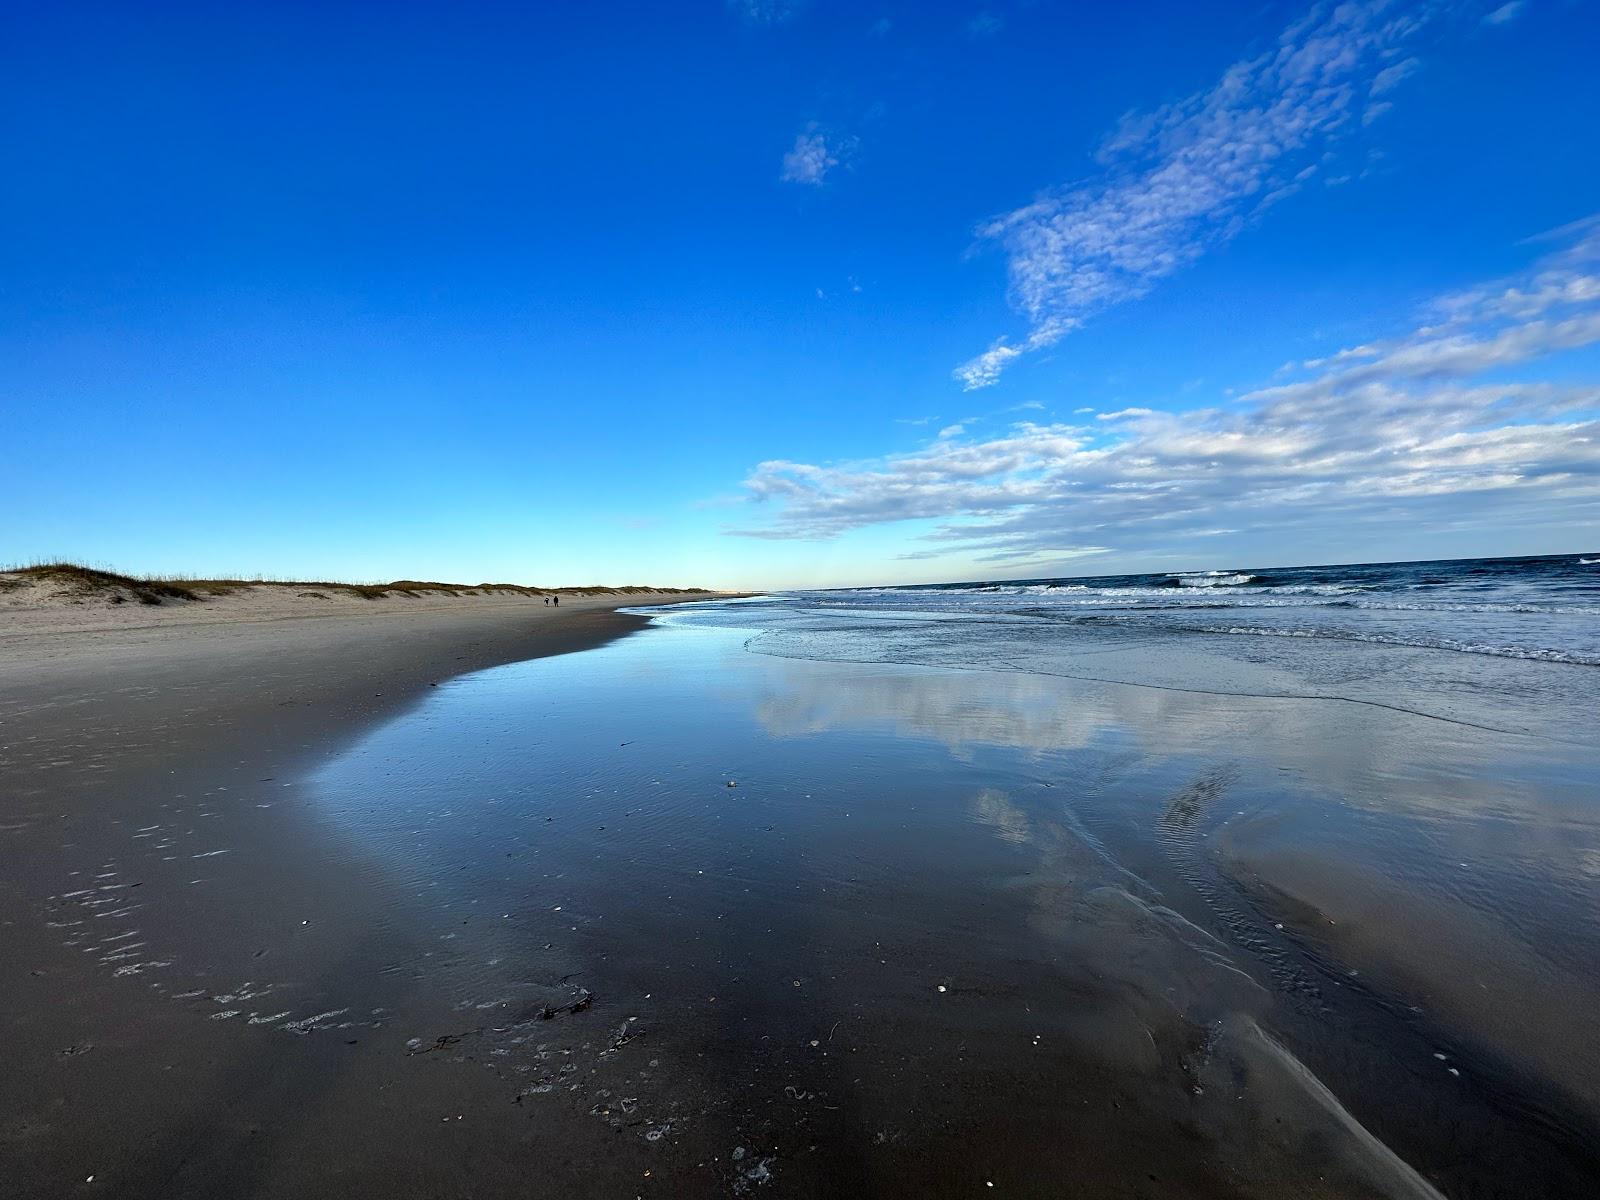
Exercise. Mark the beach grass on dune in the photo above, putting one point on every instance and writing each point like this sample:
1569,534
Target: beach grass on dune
83,581
78,580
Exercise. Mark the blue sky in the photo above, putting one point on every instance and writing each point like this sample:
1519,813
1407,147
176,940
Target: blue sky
774,294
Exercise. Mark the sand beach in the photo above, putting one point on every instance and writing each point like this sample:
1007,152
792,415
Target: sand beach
466,895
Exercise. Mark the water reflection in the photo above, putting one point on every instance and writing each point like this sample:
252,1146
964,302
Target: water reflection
1454,863
954,877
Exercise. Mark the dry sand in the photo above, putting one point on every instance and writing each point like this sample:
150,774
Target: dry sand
31,603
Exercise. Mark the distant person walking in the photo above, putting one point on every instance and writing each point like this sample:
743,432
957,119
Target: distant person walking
557,599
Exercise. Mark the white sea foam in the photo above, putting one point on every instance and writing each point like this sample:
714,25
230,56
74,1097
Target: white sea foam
1534,609
1440,606
1080,596
1210,579
1271,596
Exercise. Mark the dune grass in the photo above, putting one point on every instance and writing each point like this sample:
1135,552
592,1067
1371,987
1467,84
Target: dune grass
79,580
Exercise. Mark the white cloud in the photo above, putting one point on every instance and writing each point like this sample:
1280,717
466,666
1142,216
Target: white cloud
1505,13
985,369
1567,278
1390,78
947,478
1430,426
1428,354
1192,174
810,160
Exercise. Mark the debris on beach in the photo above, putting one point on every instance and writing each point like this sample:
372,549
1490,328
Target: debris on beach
756,1174
415,1045
625,1034
583,1000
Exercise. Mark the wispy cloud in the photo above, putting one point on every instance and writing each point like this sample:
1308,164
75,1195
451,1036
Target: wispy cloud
1390,78
1505,13
810,160
765,12
1189,176
1429,426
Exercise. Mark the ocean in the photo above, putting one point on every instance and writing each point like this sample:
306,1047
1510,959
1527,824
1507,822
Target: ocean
1543,608
1460,639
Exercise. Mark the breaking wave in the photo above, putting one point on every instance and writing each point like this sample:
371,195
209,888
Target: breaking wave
1210,579
1536,609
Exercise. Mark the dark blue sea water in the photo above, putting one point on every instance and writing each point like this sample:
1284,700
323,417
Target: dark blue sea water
1545,607
1509,645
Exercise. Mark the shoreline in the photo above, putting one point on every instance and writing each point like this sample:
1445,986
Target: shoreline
245,670
179,762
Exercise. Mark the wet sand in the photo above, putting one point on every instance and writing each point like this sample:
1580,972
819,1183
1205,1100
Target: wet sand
285,920
113,1087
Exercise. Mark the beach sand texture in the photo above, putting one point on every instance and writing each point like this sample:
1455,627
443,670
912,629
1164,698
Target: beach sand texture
112,712
470,896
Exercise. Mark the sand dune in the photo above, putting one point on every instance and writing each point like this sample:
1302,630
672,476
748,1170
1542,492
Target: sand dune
64,598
